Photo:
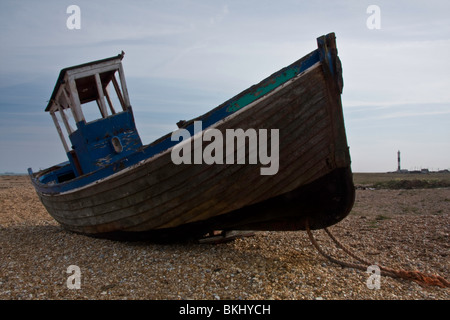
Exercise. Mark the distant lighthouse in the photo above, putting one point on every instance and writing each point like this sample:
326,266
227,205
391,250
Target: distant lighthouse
398,161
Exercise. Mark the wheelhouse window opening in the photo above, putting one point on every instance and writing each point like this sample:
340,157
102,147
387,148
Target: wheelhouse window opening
123,99
58,128
95,95
67,118
62,116
91,111
108,98
92,100
64,94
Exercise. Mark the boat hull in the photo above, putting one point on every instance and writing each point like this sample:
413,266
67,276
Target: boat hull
156,197
322,203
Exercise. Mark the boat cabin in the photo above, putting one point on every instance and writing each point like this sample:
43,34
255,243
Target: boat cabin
99,127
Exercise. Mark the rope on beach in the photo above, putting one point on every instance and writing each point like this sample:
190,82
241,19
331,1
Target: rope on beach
417,276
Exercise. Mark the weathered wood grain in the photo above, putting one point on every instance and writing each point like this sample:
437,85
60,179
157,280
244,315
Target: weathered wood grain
163,195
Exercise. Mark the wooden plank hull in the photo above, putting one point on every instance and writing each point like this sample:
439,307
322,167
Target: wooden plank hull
159,198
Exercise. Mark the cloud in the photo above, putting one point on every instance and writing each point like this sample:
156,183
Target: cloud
185,57
220,16
390,73
413,114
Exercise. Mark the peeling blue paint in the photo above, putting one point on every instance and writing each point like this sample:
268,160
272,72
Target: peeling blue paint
92,141
275,82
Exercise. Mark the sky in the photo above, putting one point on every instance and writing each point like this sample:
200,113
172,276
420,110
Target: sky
185,57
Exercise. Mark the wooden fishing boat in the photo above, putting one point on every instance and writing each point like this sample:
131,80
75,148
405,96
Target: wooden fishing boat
114,186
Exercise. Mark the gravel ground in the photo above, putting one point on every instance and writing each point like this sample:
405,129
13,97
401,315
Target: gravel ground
397,228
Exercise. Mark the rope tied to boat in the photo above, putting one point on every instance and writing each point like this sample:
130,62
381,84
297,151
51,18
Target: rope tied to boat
416,276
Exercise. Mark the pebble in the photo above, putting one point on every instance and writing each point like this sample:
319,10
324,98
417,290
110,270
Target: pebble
35,253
